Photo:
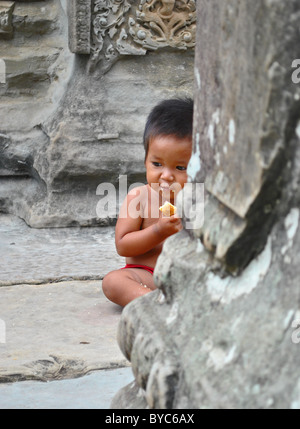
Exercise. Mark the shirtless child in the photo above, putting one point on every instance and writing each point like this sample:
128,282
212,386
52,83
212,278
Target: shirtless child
141,227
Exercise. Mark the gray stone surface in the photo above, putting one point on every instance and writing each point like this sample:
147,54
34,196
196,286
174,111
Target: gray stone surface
57,330
93,391
245,132
222,329
6,28
55,321
38,64
42,255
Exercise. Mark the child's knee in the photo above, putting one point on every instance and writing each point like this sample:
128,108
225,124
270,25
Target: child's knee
108,283
105,284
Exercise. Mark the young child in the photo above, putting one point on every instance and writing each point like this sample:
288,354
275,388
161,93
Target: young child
141,228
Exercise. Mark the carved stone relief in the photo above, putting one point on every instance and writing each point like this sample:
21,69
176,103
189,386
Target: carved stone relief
126,27
164,23
79,12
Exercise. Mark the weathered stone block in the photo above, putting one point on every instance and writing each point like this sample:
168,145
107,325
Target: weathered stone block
246,111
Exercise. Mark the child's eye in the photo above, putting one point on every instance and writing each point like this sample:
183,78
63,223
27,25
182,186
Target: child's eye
180,168
156,164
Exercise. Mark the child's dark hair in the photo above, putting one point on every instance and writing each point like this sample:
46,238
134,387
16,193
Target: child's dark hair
170,117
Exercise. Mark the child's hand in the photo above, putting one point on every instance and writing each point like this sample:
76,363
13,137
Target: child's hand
167,226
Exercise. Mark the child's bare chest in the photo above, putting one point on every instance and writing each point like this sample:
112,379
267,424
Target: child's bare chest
150,210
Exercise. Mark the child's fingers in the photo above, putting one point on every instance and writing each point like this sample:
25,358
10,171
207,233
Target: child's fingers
175,218
176,221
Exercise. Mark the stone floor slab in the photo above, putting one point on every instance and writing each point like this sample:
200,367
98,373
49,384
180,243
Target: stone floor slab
58,330
37,256
93,391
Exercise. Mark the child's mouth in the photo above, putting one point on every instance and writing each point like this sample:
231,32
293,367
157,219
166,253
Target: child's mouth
166,189
173,187
165,186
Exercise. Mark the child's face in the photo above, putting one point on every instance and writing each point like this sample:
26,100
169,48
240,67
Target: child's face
166,164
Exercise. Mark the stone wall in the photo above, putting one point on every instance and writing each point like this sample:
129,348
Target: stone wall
222,329
70,121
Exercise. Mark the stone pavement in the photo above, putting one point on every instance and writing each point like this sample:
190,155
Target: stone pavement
37,256
93,391
55,322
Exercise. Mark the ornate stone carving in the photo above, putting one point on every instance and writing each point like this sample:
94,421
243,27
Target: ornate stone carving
108,17
79,12
161,23
127,27
6,11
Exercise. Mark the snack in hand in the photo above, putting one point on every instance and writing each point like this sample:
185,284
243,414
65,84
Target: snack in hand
168,209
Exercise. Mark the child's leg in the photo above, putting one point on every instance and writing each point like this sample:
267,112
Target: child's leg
123,286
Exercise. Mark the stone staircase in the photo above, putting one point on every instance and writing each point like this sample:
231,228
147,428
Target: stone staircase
36,62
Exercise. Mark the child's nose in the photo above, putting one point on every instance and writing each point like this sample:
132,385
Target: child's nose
167,174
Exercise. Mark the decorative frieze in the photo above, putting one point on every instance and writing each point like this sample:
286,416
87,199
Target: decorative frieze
164,23
79,13
106,29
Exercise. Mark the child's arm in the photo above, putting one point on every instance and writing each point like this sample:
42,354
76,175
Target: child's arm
133,241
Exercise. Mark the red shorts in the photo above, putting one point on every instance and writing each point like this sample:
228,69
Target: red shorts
143,267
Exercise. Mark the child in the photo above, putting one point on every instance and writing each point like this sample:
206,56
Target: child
141,228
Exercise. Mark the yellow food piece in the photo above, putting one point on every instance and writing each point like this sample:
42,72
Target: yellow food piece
168,209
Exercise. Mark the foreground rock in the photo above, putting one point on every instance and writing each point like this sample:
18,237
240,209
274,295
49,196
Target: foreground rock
222,331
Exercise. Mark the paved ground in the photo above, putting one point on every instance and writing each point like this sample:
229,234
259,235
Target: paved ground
55,323
42,255
93,391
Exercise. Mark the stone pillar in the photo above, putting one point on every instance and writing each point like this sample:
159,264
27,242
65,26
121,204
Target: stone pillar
222,329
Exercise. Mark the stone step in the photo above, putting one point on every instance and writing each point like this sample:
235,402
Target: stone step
27,65
32,18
